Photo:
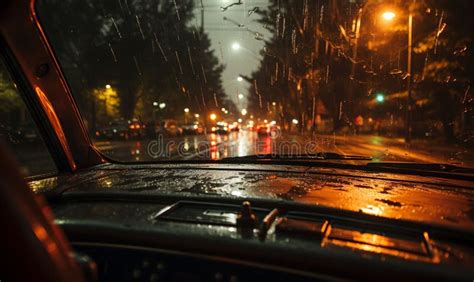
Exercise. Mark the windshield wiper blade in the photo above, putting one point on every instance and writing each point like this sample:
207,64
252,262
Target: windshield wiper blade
317,156
435,167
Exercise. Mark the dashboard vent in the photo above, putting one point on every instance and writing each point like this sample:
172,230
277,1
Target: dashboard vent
204,213
360,235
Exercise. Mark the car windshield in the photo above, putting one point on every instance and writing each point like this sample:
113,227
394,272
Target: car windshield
211,79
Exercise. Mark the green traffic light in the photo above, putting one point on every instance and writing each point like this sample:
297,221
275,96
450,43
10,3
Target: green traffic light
380,98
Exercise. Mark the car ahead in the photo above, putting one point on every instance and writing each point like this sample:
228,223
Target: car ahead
192,129
234,127
220,128
263,130
136,129
169,127
307,206
198,128
251,127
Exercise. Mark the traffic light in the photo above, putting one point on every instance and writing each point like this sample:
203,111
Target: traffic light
380,98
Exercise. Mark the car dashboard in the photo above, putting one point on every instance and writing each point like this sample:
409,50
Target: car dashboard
226,222
202,240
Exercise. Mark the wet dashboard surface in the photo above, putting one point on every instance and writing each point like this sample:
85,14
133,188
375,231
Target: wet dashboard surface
438,201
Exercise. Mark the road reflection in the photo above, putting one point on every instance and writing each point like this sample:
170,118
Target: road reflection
244,143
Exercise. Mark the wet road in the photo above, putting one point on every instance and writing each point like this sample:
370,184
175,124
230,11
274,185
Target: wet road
213,146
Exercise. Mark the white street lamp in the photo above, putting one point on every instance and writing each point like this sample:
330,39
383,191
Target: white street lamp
235,46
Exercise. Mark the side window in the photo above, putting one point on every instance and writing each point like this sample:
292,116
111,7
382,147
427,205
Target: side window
19,132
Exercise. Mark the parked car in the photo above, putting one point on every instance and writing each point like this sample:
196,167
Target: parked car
27,133
121,129
114,130
8,135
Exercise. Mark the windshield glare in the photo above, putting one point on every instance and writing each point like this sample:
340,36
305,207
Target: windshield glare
210,79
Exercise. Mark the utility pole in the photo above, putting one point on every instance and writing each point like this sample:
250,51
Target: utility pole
409,103
408,133
202,18
354,64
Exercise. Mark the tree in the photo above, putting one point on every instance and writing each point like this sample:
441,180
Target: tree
317,54
305,62
449,68
147,50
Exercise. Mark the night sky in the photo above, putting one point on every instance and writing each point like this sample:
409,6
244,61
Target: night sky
225,34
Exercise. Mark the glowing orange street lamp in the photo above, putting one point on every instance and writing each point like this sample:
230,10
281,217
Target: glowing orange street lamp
388,15
213,116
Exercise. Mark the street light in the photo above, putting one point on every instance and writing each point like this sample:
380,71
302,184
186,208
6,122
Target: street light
243,112
241,96
162,105
389,16
295,121
108,86
155,104
213,116
196,115
186,111
239,79
235,46
274,103
223,109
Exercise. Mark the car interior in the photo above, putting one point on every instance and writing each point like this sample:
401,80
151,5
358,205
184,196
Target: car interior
82,216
